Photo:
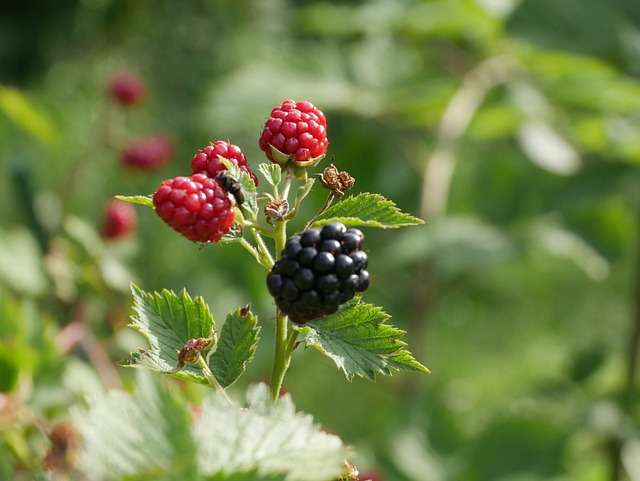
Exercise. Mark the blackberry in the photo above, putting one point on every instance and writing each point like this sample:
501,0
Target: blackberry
319,269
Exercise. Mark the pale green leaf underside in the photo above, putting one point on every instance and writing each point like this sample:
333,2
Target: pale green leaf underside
366,210
132,435
271,172
266,437
236,346
168,321
137,199
150,435
360,342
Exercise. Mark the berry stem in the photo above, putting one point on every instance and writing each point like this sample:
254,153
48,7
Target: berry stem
264,258
281,356
322,209
264,230
281,359
210,377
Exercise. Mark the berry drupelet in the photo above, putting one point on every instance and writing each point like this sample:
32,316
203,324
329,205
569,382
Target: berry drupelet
320,269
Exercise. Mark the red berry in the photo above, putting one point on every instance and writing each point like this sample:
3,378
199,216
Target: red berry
150,153
297,129
127,88
120,219
197,207
207,162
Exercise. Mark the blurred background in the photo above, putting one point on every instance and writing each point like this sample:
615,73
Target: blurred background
512,127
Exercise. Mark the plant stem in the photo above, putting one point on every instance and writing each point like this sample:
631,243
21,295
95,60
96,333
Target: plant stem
262,260
210,377
322,209
633,354
280,360
281,357
265,256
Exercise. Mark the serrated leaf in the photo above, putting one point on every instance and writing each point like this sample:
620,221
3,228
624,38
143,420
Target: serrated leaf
136,435
271,172
236,346
267,437
137,199
367,210
360,342
168,321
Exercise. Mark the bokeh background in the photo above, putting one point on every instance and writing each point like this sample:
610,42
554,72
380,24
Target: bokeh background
512,127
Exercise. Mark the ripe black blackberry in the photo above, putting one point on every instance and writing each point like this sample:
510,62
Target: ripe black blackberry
320,269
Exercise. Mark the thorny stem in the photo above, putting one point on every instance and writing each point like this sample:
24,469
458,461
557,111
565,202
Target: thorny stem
265,256
262,260
281,357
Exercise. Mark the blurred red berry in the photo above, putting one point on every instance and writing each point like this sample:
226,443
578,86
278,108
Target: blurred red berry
149,153
297,130
120,220
127,88
207,162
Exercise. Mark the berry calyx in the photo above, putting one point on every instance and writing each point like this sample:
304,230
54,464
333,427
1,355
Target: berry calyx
207,162
197,207
127,89
120,219
147,154
295,132
320,269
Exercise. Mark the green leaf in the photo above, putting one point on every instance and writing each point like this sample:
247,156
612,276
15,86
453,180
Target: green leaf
368,210
146,433
168,321
360,342
137,199
271,172
23,113
267,437
236,346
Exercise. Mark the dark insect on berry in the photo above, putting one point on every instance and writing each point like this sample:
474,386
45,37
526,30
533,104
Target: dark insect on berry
231,185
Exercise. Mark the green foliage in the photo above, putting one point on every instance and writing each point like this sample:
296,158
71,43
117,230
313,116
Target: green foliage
17,106
137,199
168,321
236,346
150,432
366,210
360,342
271,172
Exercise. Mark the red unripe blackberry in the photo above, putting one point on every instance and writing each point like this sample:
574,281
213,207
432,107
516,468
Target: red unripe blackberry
120,219
197,207
319,269
207,162
298,132
147,154
127,88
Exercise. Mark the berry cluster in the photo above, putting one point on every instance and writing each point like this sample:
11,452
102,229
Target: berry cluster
197,207
298,132
320,269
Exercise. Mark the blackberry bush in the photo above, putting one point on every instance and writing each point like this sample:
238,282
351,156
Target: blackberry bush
316,278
